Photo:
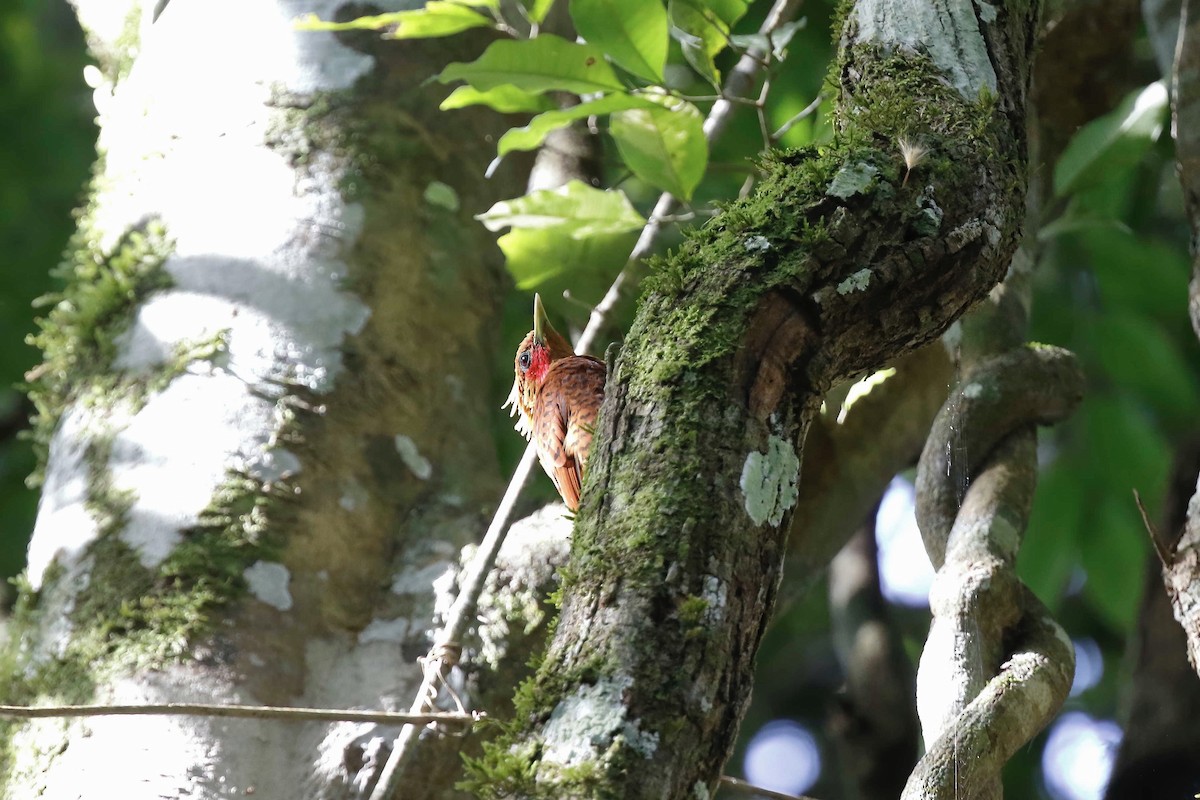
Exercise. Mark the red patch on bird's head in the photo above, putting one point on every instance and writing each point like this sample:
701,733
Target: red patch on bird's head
539,363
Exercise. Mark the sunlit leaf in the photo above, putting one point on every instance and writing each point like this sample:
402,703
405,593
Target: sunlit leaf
537,65
437,18
632,32
533,134
576,209
663,145
728,11
536,257
507,99
1114,141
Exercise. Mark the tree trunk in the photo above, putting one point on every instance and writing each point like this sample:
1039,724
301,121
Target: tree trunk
267,402
842,260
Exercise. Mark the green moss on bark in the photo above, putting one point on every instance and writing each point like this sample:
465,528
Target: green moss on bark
129,617
78,336
826,226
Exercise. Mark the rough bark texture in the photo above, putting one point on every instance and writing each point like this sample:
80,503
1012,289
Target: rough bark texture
250,495
834,266
995,667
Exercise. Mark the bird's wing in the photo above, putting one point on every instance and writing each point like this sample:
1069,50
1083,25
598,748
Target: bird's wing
566,415
551,419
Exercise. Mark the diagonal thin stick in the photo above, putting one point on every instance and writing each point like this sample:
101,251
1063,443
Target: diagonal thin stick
745,787
445,651
237,712
1161,546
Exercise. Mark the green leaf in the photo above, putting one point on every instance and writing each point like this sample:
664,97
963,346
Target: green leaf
1114,141
575,209
1142,359
1049,551
1125,449
632,32
728,11
1113,558
536,257
776,44
1138,273
664,145
442,195
537,9
533,134
537,65
437,18
506,99
1125,452
701,34
1078,222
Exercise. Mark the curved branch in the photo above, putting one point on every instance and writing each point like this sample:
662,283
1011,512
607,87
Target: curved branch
1012,707
995,666
1025,386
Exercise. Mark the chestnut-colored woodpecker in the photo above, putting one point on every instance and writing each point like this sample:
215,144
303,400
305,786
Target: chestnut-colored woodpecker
556,396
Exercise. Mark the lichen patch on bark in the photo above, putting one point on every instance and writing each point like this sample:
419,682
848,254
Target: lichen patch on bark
769,481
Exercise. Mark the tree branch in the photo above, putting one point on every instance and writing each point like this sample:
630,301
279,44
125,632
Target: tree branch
833,267
1156,757
874,721
975,487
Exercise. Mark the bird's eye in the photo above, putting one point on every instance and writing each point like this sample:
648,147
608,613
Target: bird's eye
523,360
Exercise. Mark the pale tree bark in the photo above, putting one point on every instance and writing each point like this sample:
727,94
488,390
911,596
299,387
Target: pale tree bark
275,438
837,264
995,667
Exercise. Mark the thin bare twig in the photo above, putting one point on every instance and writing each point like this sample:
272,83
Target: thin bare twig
446,650
807,111
242,712
1160,546
742,787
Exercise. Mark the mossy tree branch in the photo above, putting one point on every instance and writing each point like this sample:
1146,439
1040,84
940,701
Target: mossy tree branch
834,266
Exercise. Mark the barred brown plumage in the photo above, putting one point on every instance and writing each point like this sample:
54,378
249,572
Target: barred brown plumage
556,396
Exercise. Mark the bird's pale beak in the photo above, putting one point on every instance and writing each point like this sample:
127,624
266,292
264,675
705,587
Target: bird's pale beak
540,323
